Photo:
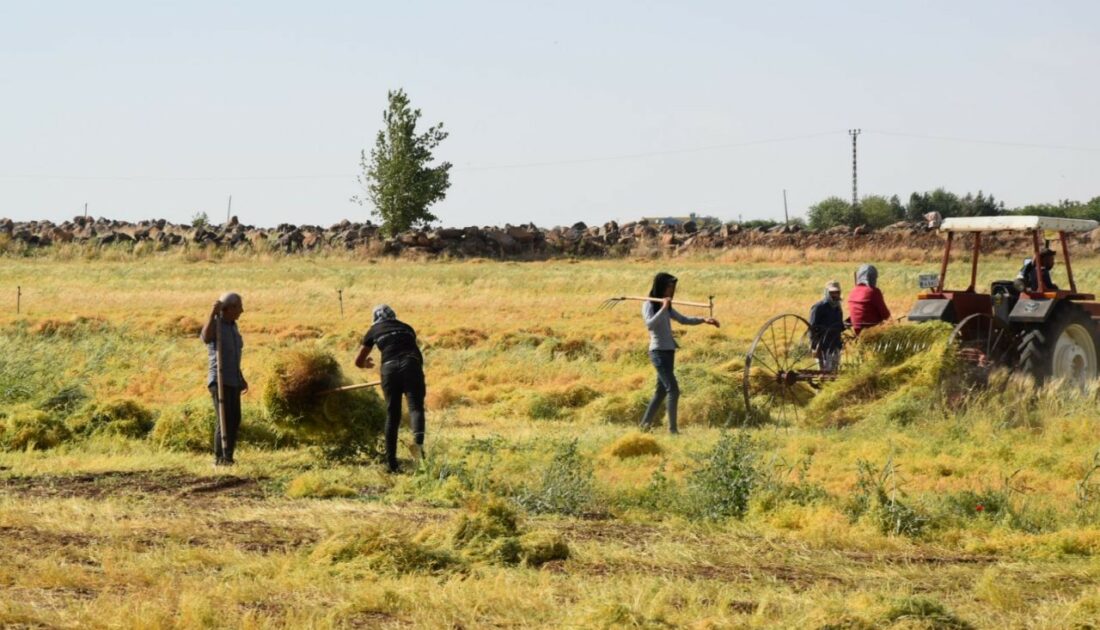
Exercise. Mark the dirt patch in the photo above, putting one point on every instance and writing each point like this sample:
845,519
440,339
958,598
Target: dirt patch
745,608
130,483
31,542
373,619
40,537
918,558
261,537
250,536
799,579
628,534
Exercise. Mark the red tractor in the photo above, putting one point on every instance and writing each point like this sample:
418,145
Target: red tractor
1027,325
1044,330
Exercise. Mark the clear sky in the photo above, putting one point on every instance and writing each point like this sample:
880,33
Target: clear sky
558,111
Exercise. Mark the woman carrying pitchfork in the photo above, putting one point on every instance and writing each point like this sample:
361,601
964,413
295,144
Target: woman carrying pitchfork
658,315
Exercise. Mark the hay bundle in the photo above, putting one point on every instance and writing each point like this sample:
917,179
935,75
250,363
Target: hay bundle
635,445
23,427
344,423
899,379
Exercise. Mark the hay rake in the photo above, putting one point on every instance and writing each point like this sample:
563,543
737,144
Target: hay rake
782,373
611,303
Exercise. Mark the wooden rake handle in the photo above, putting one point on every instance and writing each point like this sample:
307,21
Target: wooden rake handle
611,302
348,388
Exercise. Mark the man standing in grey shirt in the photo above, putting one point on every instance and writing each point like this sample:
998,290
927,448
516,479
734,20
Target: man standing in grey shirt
658,315
225,314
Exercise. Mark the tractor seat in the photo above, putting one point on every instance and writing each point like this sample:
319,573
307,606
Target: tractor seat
1004,287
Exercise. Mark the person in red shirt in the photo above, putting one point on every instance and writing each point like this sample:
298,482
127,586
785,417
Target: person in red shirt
866,306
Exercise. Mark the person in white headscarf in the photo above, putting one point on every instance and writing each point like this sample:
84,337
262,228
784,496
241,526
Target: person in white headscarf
826,327
402,375
866,305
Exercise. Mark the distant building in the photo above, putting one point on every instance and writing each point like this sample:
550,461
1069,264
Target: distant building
676,221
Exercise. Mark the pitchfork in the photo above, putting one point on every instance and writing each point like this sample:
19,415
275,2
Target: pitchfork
348,388
612,302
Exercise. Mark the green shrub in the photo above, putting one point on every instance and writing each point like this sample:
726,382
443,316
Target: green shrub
883,506
661,494
775,489
565,487
724,484
23,428
985,504
543,408
925,613
123,417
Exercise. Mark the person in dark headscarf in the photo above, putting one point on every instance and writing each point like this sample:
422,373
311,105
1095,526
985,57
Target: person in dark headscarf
866,306
658,316
826,327
402,375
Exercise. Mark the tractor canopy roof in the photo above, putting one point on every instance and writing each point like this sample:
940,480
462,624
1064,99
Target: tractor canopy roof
1016,224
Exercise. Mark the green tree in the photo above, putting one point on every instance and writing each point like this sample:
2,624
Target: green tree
1064,208
832,212
980,206
397,178
939,200
878,211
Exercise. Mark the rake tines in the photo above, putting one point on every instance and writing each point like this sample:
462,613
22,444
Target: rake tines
611,303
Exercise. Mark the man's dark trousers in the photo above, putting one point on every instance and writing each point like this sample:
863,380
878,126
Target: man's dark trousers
232,422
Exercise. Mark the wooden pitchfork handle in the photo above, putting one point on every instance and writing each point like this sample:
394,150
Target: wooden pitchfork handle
610,302
221,384
348,388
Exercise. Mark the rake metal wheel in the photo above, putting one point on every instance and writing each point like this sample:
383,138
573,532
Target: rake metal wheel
981,344
781,371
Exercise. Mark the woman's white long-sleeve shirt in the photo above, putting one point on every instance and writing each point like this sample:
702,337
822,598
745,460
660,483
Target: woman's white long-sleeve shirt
660,325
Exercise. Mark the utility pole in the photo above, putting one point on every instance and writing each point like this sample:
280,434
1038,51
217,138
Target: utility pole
855,191
786,217
85,209
228,210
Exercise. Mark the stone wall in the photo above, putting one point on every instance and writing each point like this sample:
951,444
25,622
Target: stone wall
516,242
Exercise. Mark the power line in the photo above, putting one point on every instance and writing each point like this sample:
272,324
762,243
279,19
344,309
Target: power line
1001,143
491,167
172,178
546,163
632,156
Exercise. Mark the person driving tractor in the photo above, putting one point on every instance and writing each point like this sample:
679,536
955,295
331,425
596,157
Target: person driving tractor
1027,279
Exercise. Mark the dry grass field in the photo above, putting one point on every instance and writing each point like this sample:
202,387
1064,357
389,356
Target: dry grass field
539,504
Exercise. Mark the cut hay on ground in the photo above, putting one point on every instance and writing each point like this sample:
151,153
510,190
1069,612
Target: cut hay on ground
899,377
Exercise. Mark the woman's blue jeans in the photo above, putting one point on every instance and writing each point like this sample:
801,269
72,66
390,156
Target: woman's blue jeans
665,362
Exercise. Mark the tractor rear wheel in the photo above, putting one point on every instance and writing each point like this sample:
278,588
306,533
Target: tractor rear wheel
1063,348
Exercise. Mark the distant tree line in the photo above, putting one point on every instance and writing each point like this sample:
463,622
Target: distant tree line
878,211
